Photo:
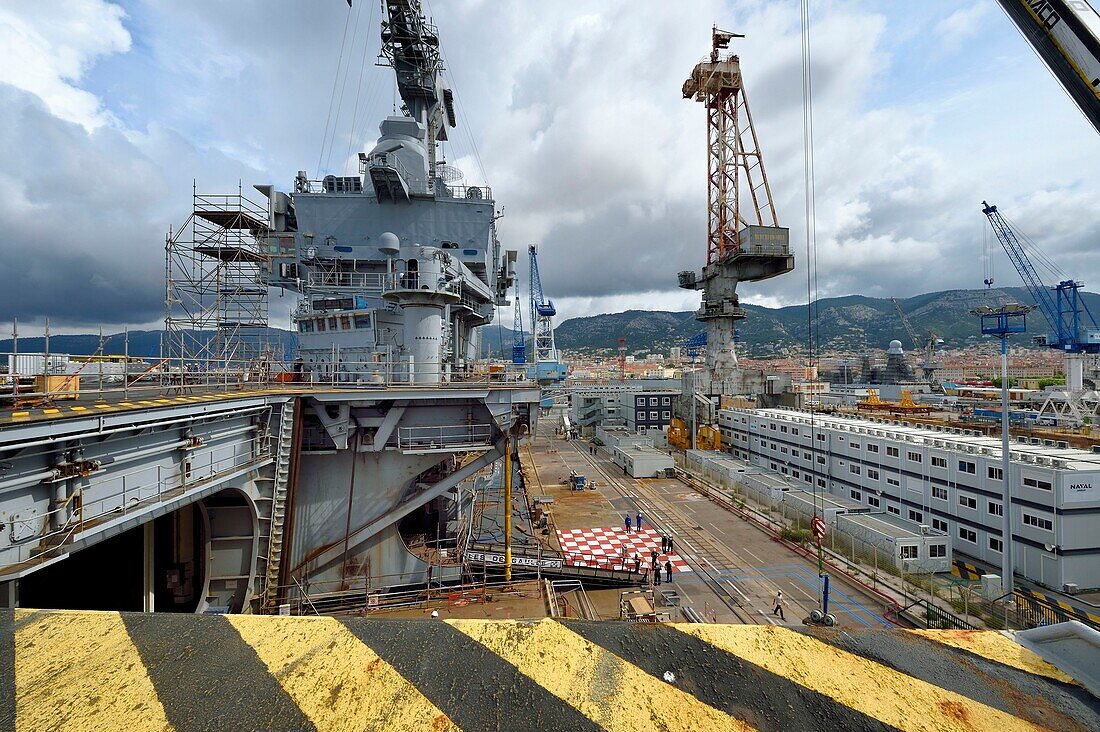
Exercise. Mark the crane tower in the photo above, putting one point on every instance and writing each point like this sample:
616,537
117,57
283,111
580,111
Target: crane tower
744,239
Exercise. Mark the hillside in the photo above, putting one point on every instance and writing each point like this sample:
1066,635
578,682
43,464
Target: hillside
850,323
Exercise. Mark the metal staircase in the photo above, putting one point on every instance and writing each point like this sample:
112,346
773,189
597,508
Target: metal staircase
275,520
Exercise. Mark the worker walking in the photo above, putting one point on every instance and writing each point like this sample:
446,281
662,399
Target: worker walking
657,574
638,522
664,543
628,523
779,606
637,563
669,550
668,570
653,556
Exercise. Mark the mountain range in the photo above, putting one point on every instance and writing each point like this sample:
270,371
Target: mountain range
851,324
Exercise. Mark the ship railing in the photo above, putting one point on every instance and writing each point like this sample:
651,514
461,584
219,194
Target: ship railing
138,490
469,193
78,385
405,281
445,436
370,281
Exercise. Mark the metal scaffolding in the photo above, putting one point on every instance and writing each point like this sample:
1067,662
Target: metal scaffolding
216,298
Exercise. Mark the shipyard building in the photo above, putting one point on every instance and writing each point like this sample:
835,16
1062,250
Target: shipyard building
946,479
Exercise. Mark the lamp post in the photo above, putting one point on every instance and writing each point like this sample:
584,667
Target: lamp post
1001,322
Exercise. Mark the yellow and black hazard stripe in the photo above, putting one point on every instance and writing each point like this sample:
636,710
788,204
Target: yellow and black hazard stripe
101,670
965,570
1071,612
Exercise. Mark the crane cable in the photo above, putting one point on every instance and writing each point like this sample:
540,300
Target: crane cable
812,333
332,96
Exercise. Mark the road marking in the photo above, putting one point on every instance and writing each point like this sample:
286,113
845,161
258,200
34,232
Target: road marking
79,409
18,415
738,590
104,406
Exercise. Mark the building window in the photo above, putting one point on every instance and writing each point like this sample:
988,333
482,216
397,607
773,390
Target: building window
772,426
894,510
640,401
872,447
820,482
968,535
995,509
937,551
872,474
939,462
916,516
968,501
653,415
821,438
807,478
853,469
994,473
914,457
794,431
893,481
783,429
665,414
1038,522
653,401
909,552
796,474
996,544
821,459
1043,485
939,524
783,470
666,401
891,451
873,501
856,495
853,445
773,466
967,467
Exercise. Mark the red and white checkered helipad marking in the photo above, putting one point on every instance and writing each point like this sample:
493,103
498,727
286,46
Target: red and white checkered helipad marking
603,547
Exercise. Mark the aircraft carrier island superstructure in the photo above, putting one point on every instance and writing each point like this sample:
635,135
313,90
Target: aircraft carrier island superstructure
241,485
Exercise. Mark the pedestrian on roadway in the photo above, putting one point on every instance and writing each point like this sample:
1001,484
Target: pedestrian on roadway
653,555
669,550
668,570
638,523
657,575
628,523
779,606
664,543
637,563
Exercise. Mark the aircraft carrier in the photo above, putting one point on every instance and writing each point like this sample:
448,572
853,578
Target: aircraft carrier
162,508
212,479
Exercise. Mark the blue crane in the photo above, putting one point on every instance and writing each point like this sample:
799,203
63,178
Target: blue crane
547,365
1072,327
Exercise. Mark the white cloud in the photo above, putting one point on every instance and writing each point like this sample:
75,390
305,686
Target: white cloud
578,119
50,46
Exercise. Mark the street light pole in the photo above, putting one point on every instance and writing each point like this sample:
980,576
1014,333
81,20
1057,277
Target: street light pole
1001,322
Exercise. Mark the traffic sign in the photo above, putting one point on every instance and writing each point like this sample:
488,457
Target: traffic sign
817,526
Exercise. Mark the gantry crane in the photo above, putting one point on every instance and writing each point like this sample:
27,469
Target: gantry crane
927,345
1073,329
548,365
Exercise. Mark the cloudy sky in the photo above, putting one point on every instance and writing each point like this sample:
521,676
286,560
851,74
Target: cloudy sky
572,111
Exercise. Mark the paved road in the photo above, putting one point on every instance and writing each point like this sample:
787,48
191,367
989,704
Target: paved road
737,567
